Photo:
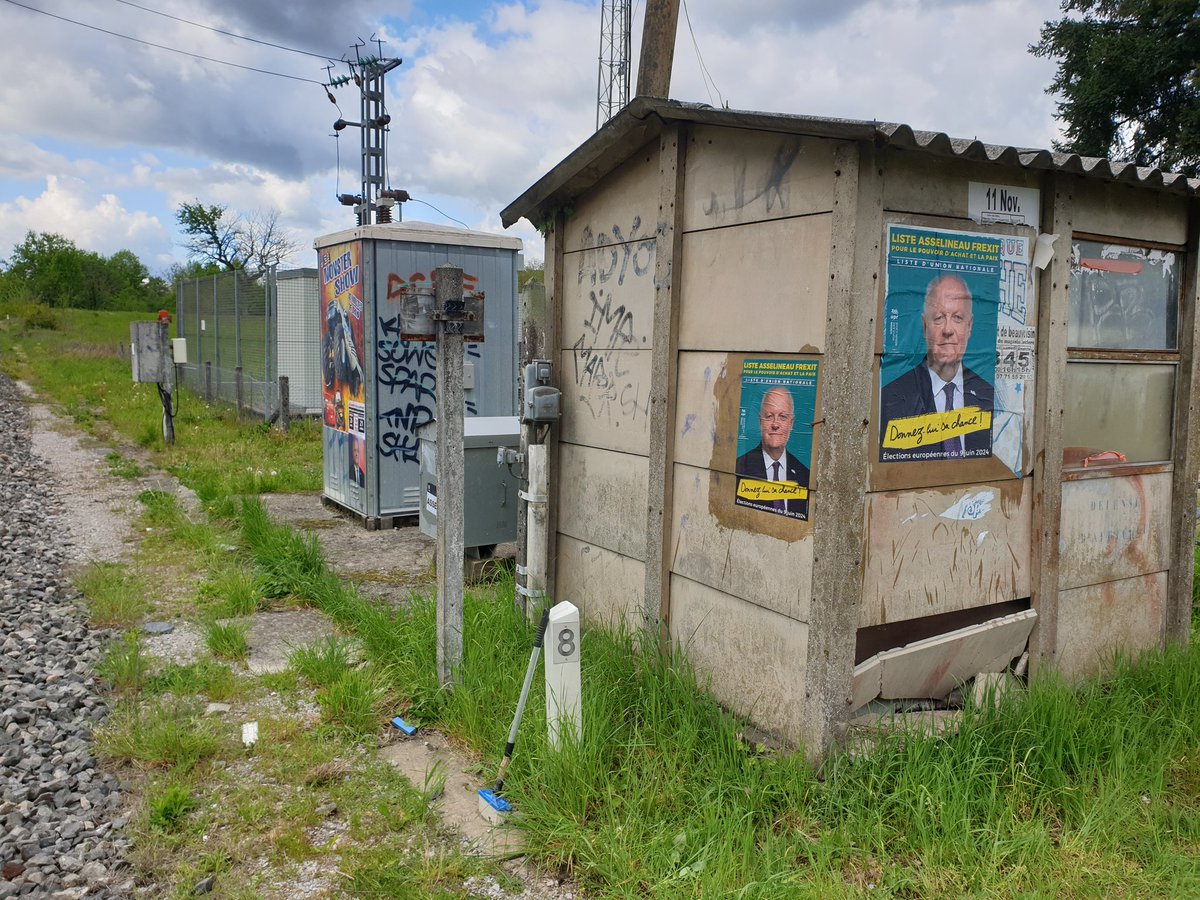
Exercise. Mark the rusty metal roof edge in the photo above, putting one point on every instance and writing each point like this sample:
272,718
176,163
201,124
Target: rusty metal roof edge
644,117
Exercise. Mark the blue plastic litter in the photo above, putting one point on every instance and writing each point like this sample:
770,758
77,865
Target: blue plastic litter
410,730
495,801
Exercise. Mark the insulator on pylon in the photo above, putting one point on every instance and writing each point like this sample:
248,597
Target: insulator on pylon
383,215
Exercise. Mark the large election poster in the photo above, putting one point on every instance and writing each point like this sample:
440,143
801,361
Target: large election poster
775,435
957,346
342,351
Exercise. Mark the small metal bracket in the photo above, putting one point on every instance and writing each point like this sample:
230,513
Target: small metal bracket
533,498
532,595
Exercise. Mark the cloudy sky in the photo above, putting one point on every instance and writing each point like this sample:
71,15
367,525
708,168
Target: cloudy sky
102,137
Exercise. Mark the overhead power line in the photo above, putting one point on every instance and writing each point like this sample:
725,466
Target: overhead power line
710,85
222,62
232,34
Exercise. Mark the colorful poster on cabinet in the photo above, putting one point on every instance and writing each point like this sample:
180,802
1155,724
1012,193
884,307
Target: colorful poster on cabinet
775,435
957,346
342,343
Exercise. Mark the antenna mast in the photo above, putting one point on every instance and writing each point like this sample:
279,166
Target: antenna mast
612,88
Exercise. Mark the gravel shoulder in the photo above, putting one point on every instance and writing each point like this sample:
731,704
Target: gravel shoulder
63,814
65,818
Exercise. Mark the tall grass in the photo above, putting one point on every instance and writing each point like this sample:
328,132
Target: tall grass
159,735
1071,790
115,596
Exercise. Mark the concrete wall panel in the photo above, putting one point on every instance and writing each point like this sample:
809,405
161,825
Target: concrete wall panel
736,176
944,549
1123,211
1114,528
605,399
602,498
606,310
607,587
759,287
1096,620
623,208
755,658
934,186
759,568
702,390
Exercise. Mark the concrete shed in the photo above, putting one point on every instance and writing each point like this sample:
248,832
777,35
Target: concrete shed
973,364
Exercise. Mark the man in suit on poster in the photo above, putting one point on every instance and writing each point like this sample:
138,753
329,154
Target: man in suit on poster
941,383
770,460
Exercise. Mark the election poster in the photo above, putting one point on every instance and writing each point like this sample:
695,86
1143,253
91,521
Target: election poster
342,351
775,435
957,346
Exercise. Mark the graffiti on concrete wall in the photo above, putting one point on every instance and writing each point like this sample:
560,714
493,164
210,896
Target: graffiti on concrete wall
607,385
769,190
615,254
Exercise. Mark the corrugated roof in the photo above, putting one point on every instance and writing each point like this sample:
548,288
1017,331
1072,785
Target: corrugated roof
645,117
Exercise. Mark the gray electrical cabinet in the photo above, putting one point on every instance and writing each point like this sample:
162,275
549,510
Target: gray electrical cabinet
379,389
489,488
151,353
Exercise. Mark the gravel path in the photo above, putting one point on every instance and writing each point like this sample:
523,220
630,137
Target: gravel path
62,833
62,818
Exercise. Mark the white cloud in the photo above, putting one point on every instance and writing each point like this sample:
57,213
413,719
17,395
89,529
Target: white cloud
94,222
480,109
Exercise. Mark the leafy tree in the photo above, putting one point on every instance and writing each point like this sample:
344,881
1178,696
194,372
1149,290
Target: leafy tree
1128,75
192,269
213,234
49,266
49,269
534,270
230,240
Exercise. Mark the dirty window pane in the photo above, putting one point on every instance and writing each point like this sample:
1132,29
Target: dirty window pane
1123,298
1124,407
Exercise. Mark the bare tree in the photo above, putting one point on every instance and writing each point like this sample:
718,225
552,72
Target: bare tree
215,234
265,242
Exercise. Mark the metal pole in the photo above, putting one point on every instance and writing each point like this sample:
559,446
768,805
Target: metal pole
237,321
284,403
535,529
449,313
267,377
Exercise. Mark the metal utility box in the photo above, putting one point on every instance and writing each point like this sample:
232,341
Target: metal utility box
297,337
748,310
151,352
378,389
489,489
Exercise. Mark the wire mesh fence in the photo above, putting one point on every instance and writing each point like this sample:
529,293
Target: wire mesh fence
243,332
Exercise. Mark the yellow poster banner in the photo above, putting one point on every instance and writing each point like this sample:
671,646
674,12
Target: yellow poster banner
933,428
767,491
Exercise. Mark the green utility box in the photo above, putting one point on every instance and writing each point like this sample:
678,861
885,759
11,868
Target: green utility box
490,488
